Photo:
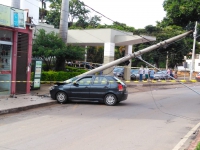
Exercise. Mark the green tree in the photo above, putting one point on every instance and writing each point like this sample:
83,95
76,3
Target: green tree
42,11
77,11
94,21
117,26
181,12
95,54
52,50
175,51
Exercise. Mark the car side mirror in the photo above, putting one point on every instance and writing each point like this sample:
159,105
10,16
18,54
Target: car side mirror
75,83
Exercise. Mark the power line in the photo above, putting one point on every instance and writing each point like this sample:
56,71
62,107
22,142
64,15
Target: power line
109,19
101,15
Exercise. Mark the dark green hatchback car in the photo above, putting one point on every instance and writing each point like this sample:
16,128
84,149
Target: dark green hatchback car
102,88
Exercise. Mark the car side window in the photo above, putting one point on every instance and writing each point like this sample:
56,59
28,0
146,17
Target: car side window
85,81
100,81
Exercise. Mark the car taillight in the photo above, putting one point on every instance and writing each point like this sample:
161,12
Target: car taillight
120,87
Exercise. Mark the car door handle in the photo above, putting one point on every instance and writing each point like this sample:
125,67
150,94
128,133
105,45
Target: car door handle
105,87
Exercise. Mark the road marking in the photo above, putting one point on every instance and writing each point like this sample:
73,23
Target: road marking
186,137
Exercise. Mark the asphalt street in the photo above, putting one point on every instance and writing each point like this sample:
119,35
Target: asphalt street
153,119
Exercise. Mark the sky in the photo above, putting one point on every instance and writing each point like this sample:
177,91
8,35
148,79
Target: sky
134,13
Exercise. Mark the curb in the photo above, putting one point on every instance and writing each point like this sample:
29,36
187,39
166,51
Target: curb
23,108
188,136
157,83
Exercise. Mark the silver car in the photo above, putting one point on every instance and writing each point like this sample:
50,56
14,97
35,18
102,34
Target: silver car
135,74
161,75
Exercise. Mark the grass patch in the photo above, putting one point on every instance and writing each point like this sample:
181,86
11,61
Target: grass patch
198,146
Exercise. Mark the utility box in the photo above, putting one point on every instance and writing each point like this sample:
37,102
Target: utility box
36,69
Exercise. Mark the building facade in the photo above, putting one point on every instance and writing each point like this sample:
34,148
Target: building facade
15,50
196,63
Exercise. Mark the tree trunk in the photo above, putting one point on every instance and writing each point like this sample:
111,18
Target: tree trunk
60,64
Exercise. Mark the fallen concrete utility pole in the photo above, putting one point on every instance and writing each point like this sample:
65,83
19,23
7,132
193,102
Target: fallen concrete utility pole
135,54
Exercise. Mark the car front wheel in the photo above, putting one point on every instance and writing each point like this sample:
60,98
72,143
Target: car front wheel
61,97
110,99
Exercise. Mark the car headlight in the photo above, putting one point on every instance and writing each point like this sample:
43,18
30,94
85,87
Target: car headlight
52,87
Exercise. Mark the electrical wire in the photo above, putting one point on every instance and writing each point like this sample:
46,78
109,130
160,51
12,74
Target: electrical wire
103,16
184,117
110,19
153,66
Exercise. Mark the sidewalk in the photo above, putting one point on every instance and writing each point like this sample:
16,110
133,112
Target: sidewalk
36,98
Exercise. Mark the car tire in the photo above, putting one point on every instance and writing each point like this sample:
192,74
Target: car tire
110,99
133,77
61,97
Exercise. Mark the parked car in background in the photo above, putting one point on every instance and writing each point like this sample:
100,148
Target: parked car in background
135,74
86,65
161,75
118,71
198,77
102,88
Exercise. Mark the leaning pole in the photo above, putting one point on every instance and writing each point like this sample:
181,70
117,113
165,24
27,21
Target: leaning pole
135,54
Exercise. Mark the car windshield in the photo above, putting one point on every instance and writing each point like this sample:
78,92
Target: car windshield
135,71
117,69
161,72
70,80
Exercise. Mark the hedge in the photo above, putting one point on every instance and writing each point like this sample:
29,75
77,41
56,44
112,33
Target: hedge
53,76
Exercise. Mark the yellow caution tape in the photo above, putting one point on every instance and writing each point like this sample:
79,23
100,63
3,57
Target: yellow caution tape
144,81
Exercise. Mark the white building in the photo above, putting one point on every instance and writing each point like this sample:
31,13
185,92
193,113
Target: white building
196,63
31,6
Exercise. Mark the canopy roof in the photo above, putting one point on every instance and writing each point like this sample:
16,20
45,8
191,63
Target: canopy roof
97,37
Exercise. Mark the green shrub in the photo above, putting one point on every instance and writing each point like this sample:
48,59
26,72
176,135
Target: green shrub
74,69
53,76
198,146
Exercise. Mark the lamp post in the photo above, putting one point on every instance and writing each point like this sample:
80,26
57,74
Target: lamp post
193,51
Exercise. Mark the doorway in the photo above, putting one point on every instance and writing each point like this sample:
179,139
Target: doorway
22,58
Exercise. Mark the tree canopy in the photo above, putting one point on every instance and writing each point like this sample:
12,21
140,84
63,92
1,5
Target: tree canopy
78,15
181,12
180,16
51,49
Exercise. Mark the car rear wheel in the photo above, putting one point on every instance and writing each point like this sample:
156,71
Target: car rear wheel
61,97
133,77
110,99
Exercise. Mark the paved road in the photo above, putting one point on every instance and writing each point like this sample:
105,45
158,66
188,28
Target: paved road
151,120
